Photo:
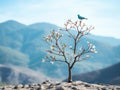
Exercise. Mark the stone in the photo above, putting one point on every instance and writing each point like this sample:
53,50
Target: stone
47,85
58,83
30,85
60,88
87,85
25,86
39,84
98,88
3,88
46,82
41,87
103,89
16,87
74,88
118,88
51,86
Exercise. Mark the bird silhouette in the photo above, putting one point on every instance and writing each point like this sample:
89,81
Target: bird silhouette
81,18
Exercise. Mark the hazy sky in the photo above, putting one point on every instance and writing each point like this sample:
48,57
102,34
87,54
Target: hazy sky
103,14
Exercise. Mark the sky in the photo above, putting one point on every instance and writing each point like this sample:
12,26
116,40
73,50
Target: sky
103,14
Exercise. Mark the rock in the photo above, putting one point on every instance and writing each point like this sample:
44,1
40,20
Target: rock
51,86
16,87
103,89
41,87
47,85
60,88
25,86
46,82
74,88
98,89
87,85
58,84
39,84
30,86
118,88
3,88
20,85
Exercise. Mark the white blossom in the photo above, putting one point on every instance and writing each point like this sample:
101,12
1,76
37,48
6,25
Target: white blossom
74,55
43,60
88,42
95,51
70,47
87,56
90,45
80,48
51,62
52,47
93,46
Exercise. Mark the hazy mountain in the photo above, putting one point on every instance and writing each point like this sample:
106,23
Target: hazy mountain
117,50
9,35
11,56
43,26
110,75
109,40
24,45
11,25
16,74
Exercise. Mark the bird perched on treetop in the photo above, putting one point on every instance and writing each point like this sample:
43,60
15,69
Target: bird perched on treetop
81,18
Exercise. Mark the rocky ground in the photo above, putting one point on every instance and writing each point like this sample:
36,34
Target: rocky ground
47,85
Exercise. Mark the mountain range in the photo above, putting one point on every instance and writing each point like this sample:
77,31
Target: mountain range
24,46
20,75
109,75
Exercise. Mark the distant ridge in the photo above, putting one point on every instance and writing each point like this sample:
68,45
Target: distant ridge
20,75
20,43
110,75
12,21
105,39
11,25
43,25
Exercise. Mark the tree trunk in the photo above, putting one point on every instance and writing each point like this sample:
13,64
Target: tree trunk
69,75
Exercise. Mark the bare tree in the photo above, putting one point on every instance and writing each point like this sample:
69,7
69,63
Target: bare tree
61,51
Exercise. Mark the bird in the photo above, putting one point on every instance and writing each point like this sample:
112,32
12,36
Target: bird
81,18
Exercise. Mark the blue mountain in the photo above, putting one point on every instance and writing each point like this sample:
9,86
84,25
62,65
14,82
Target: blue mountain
24,46
109,75
11,25
11,74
